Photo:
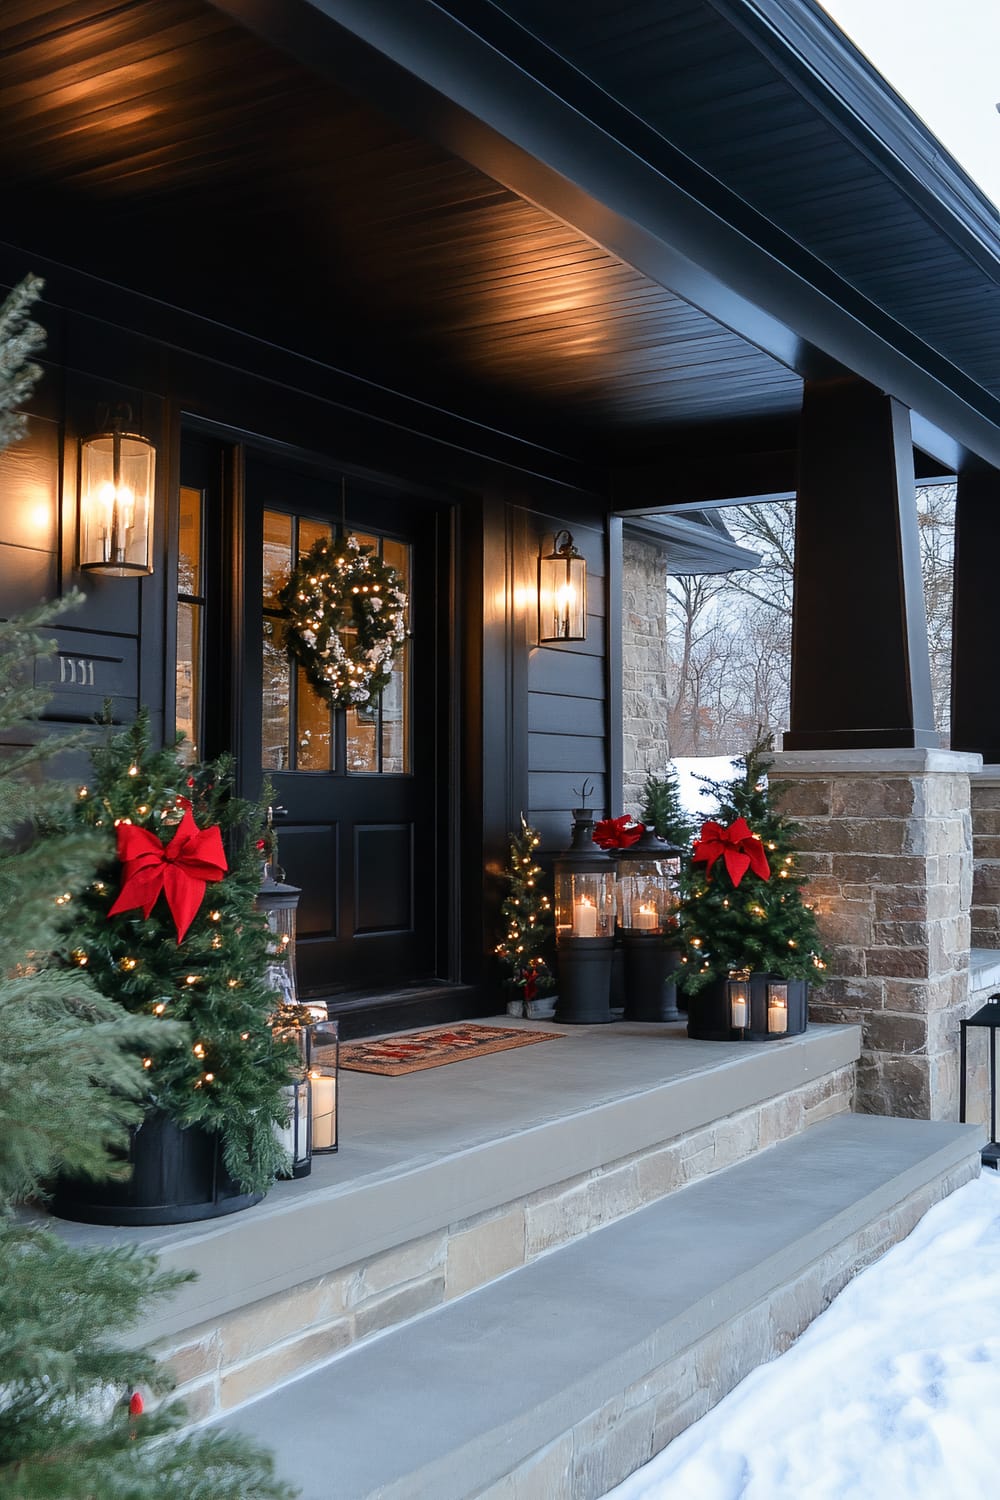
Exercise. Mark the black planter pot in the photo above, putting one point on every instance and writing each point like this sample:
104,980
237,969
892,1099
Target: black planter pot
650,995
710,1017
177,1177
585,981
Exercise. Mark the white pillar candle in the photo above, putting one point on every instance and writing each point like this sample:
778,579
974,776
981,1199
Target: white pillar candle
646,919
777,1016
324,1111
584,918
738,1002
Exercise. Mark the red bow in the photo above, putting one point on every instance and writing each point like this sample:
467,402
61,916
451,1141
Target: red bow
181,870
741,850
617,833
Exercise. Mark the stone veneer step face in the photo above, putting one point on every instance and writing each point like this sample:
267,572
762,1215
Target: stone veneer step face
598,1453
586,1361
220,1365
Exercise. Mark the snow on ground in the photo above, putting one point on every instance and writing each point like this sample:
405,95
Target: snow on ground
892,1394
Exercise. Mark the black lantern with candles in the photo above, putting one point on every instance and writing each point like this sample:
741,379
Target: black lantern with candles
647,899
987,1019
584,878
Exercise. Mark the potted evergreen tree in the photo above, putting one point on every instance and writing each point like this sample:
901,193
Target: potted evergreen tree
527,918
167,929
751,944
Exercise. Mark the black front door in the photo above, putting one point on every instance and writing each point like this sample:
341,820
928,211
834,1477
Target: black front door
357,786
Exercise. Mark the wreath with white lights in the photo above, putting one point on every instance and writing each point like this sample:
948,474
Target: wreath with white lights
346,619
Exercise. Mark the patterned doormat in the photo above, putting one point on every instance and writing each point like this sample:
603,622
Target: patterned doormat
432,1049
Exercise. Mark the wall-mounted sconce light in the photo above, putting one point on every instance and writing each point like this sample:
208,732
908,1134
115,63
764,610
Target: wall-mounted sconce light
562,592
117,477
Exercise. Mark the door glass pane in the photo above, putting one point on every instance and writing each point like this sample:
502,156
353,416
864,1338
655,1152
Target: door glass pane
313,744
395,730
310,533
190,618
362,741
277,555
188,677
275,696
189,542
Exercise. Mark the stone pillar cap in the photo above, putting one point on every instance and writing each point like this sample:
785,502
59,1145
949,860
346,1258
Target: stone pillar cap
902,762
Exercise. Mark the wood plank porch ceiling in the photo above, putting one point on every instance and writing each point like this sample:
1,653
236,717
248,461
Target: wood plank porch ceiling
161,146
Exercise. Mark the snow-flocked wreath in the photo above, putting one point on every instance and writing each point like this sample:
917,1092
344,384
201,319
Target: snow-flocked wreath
346,611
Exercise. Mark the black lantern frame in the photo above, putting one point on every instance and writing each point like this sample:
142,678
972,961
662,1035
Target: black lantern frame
749,1007
296,1136
988,1018
116,500
648,895
584,881
562,592
279,903
323,1066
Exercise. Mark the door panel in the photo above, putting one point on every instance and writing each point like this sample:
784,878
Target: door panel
358,785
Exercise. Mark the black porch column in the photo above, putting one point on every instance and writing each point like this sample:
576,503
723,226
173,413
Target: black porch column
860,666
975,649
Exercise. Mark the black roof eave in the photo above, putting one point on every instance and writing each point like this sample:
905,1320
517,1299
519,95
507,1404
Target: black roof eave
488,91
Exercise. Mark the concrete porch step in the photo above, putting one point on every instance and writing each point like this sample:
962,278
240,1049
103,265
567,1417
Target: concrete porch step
449,1178
556,1381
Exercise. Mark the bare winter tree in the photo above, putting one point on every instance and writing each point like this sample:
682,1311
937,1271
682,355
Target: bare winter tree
936,523
732,633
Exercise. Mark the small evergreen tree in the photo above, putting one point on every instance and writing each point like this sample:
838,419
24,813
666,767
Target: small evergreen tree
757,924
224,1069
661,809
527,916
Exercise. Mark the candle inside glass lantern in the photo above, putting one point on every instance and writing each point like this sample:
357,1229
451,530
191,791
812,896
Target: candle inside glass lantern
738,1006
777,1008
584,918
324,1111
646,918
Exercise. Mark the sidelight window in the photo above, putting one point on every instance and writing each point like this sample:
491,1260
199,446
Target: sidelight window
191,622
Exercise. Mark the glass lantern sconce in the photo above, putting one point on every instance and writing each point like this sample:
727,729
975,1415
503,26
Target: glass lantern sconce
562,592
117,481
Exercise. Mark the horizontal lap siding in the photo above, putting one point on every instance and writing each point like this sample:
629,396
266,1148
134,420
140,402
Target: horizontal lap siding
567,709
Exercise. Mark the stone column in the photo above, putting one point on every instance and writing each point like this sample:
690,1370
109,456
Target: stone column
886,839
986,858
646,667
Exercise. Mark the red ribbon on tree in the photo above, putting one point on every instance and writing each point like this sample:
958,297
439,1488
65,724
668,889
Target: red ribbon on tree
617,833
741,850
179,870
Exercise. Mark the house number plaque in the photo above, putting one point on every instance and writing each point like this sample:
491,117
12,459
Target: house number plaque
90,668
76,671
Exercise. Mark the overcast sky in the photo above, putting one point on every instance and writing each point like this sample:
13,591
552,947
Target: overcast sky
943,56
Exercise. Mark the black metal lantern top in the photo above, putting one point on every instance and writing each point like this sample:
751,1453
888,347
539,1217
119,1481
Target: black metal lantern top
583,854
649,846
275,895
